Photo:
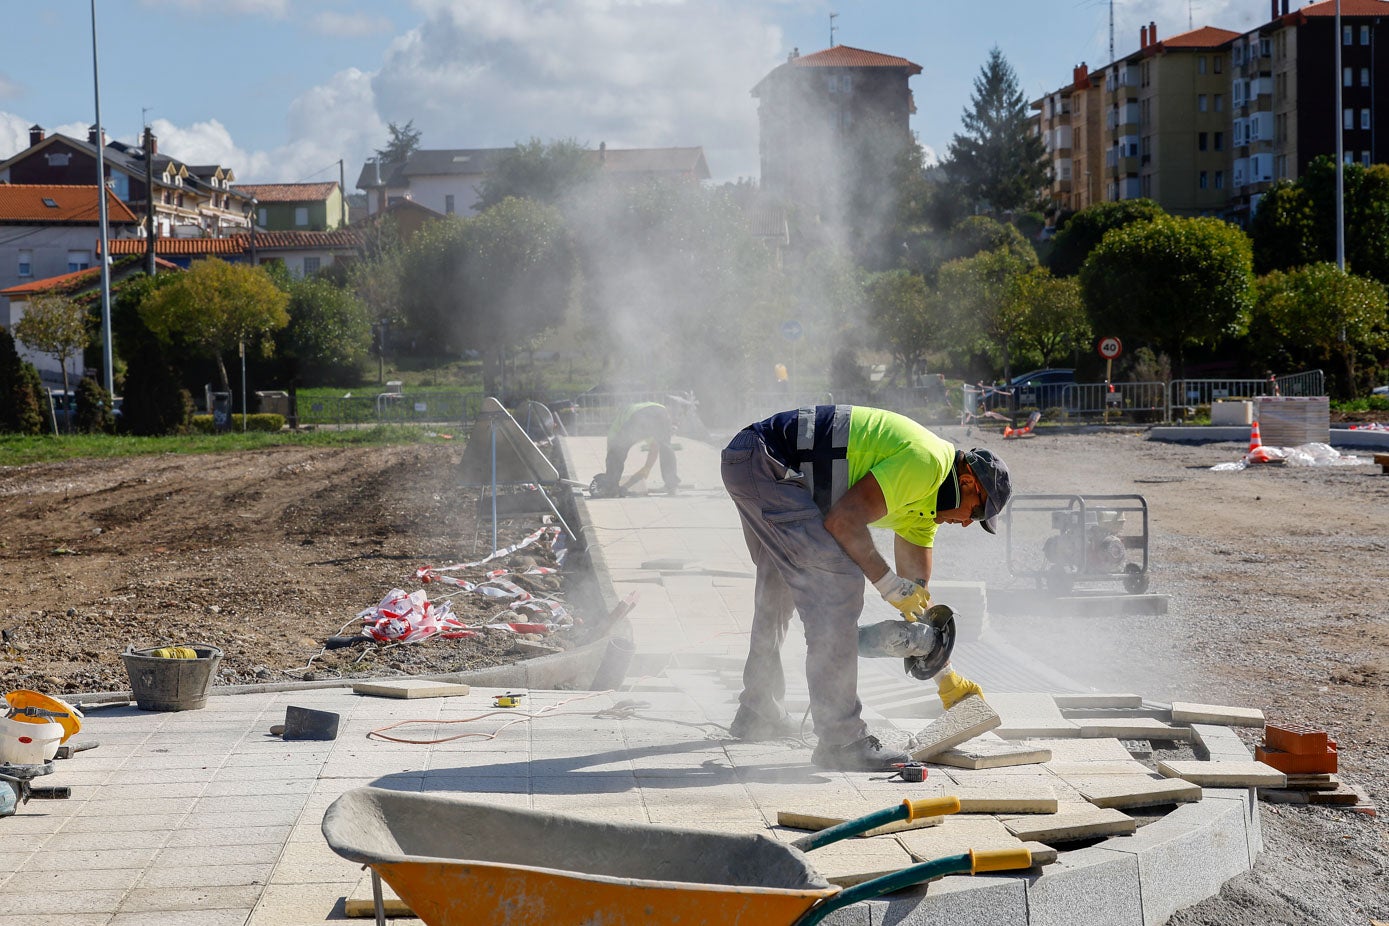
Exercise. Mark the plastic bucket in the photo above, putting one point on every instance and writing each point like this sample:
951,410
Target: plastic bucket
27,743
171,683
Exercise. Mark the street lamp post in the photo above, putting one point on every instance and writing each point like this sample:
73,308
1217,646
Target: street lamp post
110,380
254,203
1340,152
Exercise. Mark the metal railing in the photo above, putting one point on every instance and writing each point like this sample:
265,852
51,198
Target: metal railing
1135,401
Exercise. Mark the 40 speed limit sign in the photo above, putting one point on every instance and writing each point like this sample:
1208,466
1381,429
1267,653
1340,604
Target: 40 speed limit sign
1109,348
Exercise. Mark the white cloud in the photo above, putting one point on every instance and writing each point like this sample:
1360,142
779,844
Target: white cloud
349,25
10,88
1171,18
632,73
275,8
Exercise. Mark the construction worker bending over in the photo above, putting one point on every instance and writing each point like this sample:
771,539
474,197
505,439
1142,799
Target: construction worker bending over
649,421
808,484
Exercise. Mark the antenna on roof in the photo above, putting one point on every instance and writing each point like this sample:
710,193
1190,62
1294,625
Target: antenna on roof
833,28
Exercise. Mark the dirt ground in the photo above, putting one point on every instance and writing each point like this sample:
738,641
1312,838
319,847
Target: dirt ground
263,554
1275,579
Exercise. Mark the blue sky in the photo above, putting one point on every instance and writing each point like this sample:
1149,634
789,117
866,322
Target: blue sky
280,90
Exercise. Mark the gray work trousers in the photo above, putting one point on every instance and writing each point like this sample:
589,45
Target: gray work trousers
801,566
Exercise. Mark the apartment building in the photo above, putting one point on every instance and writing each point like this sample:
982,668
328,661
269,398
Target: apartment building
1205,121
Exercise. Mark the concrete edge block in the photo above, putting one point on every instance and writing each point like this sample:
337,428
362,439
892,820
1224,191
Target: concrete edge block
970,900
1249,801
1091,885
1187,856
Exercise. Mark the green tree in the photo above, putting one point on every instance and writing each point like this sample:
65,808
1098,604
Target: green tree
215,308
1283,229
1054,318
328,334
154,400
405,141
1169,282
535,170
1295,224
901,317
20,391
1080,233
999,159
1328,312
979,233
983,301
492,282
54,324
95,413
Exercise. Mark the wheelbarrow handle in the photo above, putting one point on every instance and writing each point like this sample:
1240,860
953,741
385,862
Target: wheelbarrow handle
970,862
907,810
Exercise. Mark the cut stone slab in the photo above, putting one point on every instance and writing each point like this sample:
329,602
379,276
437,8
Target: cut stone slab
1097,699
1189,712
1068,770
1133,728
360,902
966,720
1070,823
853,861
957,834
410,688
1030,715
1079,750
1220,742
1134,790
991,751
1009,795
1225,774
1042,854
832,814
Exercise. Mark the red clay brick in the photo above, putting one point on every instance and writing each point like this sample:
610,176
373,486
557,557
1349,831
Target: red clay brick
1292,764
1300,739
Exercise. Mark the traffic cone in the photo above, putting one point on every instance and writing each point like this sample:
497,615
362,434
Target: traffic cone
1255,441
1258,453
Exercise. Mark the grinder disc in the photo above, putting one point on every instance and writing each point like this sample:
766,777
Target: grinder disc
942,621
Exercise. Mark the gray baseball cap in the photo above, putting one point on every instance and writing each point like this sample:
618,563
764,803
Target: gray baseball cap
992,474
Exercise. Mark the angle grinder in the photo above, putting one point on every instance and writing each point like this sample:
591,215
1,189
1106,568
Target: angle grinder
924,646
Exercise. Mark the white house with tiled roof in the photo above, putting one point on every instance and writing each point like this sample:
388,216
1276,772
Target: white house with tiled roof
303,253
50,229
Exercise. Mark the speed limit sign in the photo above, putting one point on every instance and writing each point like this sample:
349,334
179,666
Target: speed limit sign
1110,348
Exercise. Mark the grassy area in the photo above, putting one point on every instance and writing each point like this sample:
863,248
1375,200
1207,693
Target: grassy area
19,451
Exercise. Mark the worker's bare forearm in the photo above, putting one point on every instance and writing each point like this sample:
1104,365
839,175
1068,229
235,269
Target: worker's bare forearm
913,562
857,542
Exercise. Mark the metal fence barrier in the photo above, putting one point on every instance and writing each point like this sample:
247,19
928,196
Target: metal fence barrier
1140,402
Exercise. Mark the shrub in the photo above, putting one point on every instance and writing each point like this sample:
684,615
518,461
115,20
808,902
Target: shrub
263,422
94,408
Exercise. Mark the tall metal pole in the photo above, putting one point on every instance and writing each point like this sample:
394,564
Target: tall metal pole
342,191
110,379
1340,152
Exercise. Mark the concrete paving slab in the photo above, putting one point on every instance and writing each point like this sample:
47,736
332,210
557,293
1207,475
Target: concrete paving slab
1189,712
853,861
962,722
1143,728
1071,822
410,688
1097,699
823,817
958,834
1129,791
1217,774
1219,742
989,750
1078,750
1027,716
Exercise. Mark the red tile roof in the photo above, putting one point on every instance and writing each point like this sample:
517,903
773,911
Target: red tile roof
271,240
183,246
25,203
1348,8
844,56
286,192
61,281
241,243
1205,37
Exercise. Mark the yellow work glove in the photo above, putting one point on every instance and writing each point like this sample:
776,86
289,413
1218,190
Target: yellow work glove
954,687
904,595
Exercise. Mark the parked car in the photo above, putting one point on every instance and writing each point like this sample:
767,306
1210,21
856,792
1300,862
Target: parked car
1037,389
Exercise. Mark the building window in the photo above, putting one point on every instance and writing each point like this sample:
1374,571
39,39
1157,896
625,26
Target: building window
310,266
1220,180
1347,77
1219,141
448,204
79,260
1365,158
1201,103
1220,64
301,216
1364,118
1201,139
26,263
1347,35
1350,157
164,197
1220,102
1265,48
1364,77
1203,183
1348,119
262,216
1364,35
179,200
1201,64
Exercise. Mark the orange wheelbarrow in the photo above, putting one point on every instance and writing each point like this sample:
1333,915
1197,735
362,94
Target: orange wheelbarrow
457,861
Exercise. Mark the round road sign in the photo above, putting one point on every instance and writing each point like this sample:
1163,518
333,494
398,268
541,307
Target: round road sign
1109,348
791,330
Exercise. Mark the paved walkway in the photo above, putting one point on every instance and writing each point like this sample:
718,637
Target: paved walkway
203,818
